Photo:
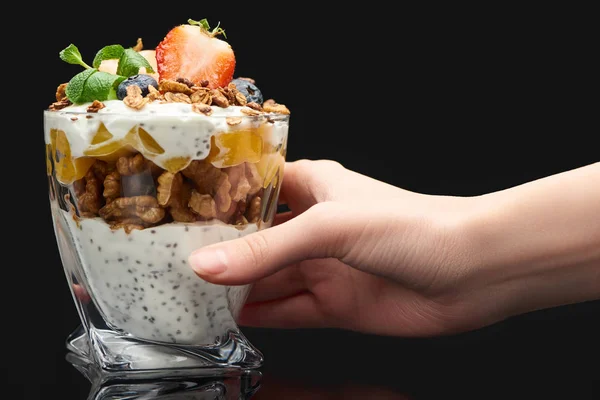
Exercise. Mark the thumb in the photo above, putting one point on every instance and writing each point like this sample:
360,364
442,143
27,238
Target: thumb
247,259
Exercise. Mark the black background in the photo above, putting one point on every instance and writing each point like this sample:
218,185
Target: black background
444,100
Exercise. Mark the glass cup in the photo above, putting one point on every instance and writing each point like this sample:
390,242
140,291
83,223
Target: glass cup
132,194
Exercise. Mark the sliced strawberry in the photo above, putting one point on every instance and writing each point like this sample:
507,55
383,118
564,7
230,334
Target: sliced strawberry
189,51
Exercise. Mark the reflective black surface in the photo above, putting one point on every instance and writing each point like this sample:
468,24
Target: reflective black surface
468,101
544,355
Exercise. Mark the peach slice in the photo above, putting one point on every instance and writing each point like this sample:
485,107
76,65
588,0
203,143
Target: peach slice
102,135
66,168
49,159
110,152
175,164
236,147
104,147
143,142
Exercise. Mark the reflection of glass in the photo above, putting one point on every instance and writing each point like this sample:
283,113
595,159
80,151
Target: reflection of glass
198,384
132,195
110,386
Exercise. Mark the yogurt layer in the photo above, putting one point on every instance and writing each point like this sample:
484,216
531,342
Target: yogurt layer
142,284
180,131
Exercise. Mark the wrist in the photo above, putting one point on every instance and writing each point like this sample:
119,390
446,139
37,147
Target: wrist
531,247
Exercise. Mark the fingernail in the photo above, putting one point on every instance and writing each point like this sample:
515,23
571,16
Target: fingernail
208,261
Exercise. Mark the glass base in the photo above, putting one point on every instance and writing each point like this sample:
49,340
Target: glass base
167,385
114,352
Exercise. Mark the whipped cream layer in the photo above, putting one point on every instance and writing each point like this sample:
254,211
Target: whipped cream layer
180,131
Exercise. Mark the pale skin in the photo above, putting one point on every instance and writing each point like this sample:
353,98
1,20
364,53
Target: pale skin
357,253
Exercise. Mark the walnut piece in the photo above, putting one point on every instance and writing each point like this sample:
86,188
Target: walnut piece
128,224
112,186
179,206
131,165
254,179
203,205
240,186
145,208
59,105
210,180
95,106
173,193
179,209
61,92
167,181
204,176
101,169
222,196
253,210
134,98
89,200
89,189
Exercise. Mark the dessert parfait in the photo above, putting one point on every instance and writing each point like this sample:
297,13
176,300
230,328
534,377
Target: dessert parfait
152,154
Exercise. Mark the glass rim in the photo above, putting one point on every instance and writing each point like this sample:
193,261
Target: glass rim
275,117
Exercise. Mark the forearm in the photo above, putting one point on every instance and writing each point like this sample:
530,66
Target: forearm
537,245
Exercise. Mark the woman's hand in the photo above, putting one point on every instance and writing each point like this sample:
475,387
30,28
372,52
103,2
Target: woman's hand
356,253
353,253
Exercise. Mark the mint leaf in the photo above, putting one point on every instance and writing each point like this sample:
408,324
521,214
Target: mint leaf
100,86
91,85
111,52
131,62
72,55
75,87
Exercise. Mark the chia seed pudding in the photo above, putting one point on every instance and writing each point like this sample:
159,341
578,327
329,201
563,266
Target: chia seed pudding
143,285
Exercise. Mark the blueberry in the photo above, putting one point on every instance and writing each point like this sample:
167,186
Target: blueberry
141,80
249,90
